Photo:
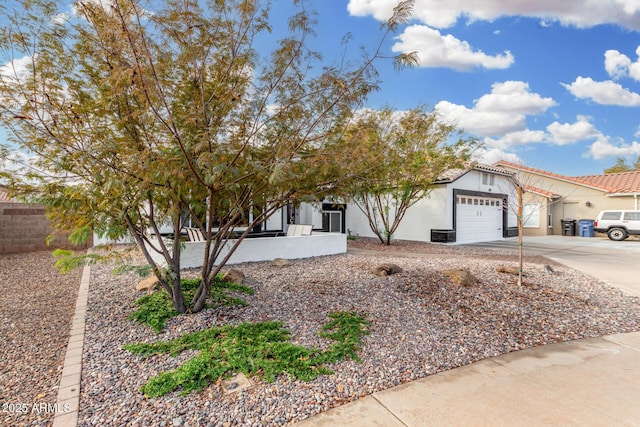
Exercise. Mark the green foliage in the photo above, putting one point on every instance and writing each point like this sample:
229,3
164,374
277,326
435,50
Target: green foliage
68,260
142,114
410,150
251,348
156,308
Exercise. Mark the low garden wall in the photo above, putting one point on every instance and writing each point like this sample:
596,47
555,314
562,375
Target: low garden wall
24,228
269,248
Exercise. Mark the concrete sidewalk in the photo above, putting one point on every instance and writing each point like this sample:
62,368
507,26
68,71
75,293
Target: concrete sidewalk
591,382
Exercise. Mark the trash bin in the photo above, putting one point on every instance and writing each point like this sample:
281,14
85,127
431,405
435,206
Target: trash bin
568,226
585,227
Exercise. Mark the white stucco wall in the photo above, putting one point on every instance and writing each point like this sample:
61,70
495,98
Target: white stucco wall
436,210
268,248
417,223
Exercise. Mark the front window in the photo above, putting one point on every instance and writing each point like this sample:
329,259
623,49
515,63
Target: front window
488,179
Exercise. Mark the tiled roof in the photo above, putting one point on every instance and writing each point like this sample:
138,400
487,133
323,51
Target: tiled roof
622,182
585,181
540,191
453,174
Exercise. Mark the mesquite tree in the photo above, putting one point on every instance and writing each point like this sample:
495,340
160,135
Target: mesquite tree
411,150
138,114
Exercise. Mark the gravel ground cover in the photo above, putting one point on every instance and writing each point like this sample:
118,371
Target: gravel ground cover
36,309
421,324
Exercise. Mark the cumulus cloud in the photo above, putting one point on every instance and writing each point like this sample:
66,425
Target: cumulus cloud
569,133
604,93
445,13
513,139
603,148
493,155
437,50
498,113
616,64
619,65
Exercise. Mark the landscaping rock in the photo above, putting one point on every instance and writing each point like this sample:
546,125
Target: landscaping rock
460,277
281,262
386,269
233,275
509,270
148,283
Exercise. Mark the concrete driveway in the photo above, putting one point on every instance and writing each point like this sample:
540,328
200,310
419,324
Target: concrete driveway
616,263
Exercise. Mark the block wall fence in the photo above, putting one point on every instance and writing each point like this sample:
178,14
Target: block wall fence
25,227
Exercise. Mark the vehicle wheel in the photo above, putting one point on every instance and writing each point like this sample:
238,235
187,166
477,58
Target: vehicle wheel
617,234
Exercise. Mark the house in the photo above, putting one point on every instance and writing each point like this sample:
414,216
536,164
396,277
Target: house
475,204
551,198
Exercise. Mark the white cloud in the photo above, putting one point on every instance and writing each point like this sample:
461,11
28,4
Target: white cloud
498,113
568,133
513,97
619,65
493,155
16,69
445,13
437,50
513,139
603,148
616,64
605,93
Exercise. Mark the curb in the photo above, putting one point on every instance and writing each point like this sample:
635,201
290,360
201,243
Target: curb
68,403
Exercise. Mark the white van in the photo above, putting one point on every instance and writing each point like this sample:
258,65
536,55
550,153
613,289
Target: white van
618,224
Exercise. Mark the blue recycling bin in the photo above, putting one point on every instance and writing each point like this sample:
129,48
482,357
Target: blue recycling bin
585,227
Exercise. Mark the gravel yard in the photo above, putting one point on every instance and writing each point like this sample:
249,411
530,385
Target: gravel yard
36,309
422,323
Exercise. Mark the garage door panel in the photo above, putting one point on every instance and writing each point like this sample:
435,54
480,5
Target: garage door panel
478,219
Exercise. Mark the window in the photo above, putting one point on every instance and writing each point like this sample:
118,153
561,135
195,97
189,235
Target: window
631,216
531,215
611,215
332,221
475,202
549,216
488,179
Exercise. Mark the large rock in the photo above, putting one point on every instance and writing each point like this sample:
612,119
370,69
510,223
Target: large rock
386,269
148,283
509,270
280,262
233,275
460,277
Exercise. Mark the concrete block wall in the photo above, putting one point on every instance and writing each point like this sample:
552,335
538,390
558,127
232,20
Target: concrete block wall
25,227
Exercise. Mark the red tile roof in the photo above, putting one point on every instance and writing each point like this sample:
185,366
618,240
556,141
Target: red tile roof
540,191
598,182
622,182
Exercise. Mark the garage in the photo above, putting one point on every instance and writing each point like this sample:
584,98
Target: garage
478,218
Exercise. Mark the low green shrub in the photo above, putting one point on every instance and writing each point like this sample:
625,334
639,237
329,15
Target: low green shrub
261,349
156,308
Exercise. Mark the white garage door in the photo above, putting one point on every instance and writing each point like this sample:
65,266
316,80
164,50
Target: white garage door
478,219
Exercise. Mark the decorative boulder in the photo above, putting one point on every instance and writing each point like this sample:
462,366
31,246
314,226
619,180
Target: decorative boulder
148,283
280,262
509,270
460,277
388,269
233,276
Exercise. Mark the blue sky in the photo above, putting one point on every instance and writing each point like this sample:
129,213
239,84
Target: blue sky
552,84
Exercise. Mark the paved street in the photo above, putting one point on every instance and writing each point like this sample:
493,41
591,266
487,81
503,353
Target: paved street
617,263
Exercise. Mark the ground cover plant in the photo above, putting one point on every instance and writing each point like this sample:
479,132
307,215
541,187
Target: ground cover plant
156,308
255,349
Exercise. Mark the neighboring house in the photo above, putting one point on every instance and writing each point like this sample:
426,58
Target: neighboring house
476,204
551,198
